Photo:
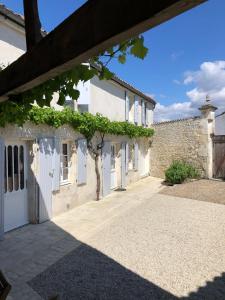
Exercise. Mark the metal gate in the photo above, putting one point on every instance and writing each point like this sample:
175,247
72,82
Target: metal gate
219,156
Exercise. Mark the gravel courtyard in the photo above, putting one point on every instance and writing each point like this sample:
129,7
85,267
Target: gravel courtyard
137,244
203,190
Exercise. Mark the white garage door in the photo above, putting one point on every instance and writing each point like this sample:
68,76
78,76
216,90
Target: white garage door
15,201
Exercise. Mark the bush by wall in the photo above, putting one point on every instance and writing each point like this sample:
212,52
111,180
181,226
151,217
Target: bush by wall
179,171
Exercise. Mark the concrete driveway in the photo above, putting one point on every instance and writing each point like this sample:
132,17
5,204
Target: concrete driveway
136,244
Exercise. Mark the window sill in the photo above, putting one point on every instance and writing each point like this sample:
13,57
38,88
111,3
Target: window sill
65,183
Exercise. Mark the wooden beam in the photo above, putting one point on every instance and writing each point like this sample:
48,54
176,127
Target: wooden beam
32,23
96,26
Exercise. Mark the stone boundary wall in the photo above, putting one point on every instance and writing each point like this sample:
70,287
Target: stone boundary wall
186,139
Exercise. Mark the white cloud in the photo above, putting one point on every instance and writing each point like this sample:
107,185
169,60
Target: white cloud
208,80
173,111
176,81
150,95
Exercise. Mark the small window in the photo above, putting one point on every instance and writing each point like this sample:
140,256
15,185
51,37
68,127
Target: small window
65,158
131,162
14,168
82,108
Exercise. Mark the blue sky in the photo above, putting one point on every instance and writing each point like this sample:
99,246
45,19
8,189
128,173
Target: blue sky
179,51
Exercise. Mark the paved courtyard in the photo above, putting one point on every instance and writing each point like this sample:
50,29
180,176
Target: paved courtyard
136,244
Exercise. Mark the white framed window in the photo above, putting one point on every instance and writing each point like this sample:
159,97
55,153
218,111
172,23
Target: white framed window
131,163
64,162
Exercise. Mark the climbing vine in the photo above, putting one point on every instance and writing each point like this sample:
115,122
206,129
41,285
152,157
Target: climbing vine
66,83
85,123
20,109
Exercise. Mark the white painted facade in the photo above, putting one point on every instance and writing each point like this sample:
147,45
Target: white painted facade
47,171
12,41
220,124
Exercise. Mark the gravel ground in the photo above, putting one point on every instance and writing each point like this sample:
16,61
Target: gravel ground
165,248
203,190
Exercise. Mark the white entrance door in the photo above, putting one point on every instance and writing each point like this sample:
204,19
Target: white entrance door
15,200
144,160
113,167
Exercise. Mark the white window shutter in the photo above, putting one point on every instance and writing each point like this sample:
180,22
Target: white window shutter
2,168
82,161
127,156
136,106
45,178
123,165
56,165
136,156
126,106
106,168
143,112
146,115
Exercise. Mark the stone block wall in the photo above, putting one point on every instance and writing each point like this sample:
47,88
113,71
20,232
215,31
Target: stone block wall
187,139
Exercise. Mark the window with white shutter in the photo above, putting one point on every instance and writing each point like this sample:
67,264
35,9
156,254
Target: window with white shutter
65,162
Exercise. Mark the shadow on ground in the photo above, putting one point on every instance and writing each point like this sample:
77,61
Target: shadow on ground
86,273
59,264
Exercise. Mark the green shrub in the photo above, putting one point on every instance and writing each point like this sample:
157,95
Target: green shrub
179,171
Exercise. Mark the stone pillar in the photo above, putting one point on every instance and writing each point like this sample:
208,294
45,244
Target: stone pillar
208,115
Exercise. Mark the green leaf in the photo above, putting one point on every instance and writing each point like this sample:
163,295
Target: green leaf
122,58
138,49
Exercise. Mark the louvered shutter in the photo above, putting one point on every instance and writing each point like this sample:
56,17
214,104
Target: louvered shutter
146,115
123,165
81,161
126,107
143,112
136,156
56,165
127,156
106,168
45,178
2,168
136,107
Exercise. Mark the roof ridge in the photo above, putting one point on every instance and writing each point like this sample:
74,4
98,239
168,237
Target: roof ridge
15,17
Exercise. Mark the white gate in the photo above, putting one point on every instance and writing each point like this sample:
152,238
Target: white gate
15,200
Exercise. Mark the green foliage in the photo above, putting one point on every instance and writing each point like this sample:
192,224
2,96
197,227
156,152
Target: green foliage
179,171
19,109
86,123
65,84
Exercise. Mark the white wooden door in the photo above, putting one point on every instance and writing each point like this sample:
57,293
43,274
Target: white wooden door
15,200
113,174
144,160
45,178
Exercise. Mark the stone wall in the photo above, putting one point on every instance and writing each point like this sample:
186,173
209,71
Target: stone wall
187,139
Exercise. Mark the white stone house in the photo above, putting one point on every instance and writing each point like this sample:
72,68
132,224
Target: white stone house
48,171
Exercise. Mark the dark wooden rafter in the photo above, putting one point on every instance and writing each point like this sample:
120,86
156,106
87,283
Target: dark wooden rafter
96,26
32,23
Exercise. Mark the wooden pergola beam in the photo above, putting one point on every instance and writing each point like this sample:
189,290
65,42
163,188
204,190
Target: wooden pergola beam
32,23
96,26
